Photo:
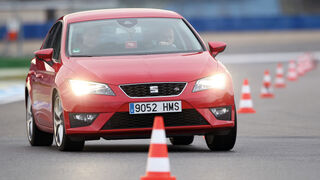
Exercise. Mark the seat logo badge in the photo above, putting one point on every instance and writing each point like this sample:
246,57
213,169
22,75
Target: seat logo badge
176,89
154,89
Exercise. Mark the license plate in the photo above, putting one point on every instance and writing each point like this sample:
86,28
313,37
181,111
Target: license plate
155,107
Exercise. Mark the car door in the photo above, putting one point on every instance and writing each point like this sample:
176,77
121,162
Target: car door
45,76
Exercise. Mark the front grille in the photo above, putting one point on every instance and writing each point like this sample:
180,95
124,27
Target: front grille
153,89
124,120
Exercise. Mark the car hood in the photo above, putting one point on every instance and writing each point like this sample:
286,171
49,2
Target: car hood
182,67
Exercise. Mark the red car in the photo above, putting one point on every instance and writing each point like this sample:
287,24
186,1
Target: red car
108,73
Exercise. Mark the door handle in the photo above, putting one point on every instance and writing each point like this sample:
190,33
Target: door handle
40,76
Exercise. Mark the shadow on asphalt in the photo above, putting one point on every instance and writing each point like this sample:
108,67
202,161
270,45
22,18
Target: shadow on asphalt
122,148
143,148
132,148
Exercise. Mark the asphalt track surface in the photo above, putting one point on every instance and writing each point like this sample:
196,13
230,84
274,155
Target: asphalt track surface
280,141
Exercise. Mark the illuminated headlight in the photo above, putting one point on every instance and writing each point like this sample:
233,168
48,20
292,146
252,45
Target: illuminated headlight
217,81
84,87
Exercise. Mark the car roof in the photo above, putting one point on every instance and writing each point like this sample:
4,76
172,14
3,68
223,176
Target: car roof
118,13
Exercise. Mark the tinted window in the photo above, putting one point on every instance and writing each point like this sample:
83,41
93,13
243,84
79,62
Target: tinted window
131,36
53,39
48,42
57,41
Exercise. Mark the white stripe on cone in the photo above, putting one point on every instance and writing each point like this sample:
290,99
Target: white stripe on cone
292,65
279,71
246,103
158,164
279,80
158,136
292,71
292,74
279,76
245,90
300,68
267,78
265,90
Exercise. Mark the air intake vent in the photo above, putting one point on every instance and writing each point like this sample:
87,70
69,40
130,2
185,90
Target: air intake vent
124,120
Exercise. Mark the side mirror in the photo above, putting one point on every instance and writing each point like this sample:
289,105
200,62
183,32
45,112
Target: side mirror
45,55
216,48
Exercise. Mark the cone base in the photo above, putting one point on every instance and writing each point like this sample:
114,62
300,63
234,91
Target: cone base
158,178
292,79
246,110
280,85
267,96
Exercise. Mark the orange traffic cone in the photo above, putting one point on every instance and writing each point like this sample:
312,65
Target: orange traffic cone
309,62
300,66
266,89
245,105
313,61
158,167
279,81
307,59
292,73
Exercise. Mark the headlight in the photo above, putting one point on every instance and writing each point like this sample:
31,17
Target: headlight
84,87
217,81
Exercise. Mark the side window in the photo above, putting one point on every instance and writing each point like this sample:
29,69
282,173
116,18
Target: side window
53,39
48,42
57,41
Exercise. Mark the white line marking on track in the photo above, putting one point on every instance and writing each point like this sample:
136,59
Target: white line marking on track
262,57
11,93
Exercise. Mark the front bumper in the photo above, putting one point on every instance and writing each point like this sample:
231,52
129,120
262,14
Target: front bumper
111,108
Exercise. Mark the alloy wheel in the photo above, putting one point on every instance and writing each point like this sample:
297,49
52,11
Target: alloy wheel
58,122
29,120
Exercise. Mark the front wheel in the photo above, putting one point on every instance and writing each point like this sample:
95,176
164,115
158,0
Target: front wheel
36,137
63,142
222,142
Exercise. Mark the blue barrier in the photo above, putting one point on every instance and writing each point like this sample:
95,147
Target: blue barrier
38,31
30,31
256,23
3,31
34,31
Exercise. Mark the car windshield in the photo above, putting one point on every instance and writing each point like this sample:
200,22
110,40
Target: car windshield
131,36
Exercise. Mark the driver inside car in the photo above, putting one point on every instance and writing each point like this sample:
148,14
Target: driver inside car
167,38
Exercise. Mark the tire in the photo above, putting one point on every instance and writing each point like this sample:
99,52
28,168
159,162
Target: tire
63,142
181,140
35,136
222,142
